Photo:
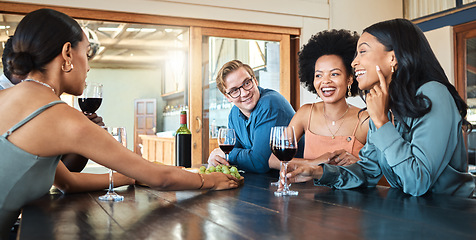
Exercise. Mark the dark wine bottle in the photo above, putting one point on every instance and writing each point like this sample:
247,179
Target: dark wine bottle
183,143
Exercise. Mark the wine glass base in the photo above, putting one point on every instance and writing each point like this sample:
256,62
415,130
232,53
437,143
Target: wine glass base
111,196
286,193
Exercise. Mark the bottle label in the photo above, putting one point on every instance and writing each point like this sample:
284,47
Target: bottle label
183,118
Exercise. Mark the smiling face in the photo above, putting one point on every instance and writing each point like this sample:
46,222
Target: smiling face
247,99
331,79
371,53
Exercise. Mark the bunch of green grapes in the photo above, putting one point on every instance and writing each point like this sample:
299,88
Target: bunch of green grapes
221,168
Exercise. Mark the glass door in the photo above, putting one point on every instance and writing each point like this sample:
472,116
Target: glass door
267,53
465,68
261,55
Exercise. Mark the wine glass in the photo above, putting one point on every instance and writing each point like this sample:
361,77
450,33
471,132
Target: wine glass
226,140
281,163
284,147
91,98
119,133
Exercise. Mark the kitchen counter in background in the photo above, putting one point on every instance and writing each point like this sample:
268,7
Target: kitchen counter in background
162,149
158,149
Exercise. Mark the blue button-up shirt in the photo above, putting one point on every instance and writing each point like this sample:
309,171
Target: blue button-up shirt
430,156
252,151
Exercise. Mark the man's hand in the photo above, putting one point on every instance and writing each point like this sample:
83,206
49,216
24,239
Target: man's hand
217,156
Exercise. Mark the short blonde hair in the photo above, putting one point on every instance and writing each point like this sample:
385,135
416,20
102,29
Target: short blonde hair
228,68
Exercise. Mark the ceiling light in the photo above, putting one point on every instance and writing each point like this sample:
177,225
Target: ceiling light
141,29
4,27
168,30
148,30
109,29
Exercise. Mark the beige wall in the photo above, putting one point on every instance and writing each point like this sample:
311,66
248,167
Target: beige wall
275,12
128,84
357,15
441,41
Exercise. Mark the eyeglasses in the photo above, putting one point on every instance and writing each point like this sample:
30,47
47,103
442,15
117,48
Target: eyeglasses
236,92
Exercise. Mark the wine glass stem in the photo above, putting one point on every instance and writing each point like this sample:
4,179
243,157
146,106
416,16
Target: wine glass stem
286,186
111,184
226,157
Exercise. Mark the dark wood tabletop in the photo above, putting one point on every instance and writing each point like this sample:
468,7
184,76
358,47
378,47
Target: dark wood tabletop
250,212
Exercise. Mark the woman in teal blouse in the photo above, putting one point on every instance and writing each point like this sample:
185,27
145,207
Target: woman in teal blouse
415,137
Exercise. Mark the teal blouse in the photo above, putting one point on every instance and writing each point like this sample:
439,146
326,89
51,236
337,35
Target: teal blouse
429,156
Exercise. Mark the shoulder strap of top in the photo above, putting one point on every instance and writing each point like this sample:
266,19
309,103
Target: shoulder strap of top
309,120
356,126
31,116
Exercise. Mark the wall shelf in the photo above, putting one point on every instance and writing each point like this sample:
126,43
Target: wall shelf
172,95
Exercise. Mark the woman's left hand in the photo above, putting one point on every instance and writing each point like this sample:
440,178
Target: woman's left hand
377,101
298,171
342,158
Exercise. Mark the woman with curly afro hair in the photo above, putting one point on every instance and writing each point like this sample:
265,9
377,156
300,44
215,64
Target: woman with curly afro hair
334,130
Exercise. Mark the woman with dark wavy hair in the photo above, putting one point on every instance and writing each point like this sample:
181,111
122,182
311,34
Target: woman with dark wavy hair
334,130
415,137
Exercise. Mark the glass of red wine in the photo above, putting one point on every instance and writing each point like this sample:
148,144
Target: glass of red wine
91,98
226,140
284,147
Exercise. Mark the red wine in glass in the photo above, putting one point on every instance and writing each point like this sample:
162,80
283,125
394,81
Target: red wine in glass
284,154
89,105
226,148
91,98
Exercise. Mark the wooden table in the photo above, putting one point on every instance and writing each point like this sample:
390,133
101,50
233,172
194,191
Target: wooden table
250,212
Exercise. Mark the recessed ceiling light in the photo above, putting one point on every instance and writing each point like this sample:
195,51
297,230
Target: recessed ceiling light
141,29
109,29
148,30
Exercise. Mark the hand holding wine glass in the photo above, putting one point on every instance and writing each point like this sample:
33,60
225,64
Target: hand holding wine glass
284,147
226,140
91,98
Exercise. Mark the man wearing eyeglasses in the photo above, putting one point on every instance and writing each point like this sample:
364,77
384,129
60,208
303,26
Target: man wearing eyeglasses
255,111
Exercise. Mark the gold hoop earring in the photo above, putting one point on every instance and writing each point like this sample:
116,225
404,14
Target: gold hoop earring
63,67
393,69
349,93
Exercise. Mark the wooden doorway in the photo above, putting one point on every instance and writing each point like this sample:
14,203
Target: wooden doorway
145,120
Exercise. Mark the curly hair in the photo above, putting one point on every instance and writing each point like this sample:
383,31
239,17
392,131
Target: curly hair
342,43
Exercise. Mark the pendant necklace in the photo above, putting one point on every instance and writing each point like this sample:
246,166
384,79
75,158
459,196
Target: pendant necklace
42,83
334,122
